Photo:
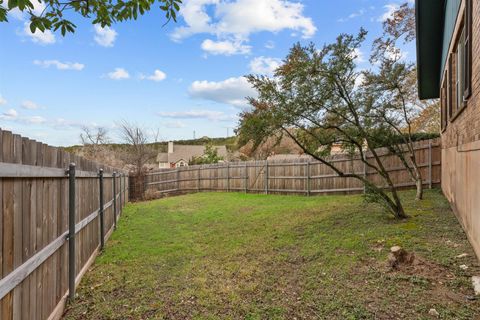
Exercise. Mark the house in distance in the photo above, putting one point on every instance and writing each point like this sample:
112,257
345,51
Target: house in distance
179,155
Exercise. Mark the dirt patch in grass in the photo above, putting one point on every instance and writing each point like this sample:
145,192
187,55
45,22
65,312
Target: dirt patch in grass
237,256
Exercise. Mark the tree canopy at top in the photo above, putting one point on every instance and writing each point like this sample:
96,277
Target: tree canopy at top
55,14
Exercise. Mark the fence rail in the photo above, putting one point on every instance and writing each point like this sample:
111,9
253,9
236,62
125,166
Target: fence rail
52,207
299,177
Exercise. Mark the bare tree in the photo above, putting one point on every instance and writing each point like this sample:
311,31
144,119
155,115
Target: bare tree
96,136
140,152
94,141
156,136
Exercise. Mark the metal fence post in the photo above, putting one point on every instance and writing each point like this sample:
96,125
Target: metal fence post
308,178
102,220
71,232
114,201
430,164
266,176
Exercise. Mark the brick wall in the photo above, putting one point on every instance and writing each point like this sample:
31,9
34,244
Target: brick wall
461,149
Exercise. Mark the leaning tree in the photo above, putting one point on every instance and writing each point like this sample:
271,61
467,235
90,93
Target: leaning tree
317,99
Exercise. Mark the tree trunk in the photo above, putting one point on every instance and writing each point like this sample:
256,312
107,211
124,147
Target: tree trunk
419,184
395,205
399,211
416,174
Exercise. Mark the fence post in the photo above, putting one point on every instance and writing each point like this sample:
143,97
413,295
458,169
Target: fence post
144,191
430,164
71,232
198,179
178,179
125,188
228,177
266,176
126,184
246,177
308,178
102,221
365,173
114,201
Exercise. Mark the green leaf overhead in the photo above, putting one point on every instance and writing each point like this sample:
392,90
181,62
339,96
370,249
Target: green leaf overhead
103,12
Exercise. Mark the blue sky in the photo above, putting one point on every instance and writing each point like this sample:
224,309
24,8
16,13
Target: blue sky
183,77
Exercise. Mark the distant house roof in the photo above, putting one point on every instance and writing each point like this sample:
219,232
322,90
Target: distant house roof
187,152
162,157
430,15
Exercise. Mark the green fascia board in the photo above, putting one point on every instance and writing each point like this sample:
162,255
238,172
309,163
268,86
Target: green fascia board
429,27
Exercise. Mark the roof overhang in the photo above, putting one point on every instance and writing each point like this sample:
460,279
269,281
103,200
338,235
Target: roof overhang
429,27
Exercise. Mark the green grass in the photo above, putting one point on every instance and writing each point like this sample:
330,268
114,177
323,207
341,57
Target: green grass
237,256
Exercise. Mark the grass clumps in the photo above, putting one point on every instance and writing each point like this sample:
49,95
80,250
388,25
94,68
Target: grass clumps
238,256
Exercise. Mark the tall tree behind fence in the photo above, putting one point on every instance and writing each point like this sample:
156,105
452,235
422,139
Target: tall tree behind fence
40,192
288,177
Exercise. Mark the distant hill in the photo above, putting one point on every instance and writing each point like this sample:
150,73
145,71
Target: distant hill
117,154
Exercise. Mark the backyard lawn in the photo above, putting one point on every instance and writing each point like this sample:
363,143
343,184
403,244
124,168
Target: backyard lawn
238,256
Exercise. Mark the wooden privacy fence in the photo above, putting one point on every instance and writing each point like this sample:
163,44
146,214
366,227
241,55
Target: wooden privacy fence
294,176
57,209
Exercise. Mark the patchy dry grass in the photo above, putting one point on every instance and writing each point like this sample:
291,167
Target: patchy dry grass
237,256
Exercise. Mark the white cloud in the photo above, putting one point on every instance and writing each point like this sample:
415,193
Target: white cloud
157,76
270,44
105,36
59,65
38,8
35,120
118,74
30,105
3,101
43,38
389,10
198,114
359,80
63,123
264,65
10,114
231,91
358,56
174,124
234,21
353,15
226,47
